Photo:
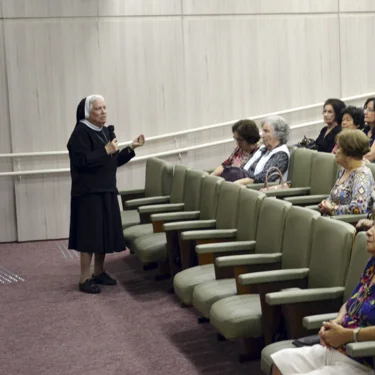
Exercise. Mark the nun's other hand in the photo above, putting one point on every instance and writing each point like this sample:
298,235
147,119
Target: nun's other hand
111,147
138,142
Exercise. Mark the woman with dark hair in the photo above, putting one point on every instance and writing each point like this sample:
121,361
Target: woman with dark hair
95,221
246,135
369,129
332,117
352,118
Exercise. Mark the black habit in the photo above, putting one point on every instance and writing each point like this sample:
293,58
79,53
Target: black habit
95,220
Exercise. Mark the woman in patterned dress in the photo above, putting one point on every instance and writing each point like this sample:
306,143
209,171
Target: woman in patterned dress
352,191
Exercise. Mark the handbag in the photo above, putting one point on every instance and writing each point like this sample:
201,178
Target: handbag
308,143
282,185
232,174
307,341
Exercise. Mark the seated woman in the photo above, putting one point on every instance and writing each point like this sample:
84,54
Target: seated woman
355,322
352,118
369,128
332,117
351,193
273,153
246,134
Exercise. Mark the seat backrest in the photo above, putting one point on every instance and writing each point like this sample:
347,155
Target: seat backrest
330,253
291,149
193,184
357,264
271,223
159,175
249,203
298,234
300,167
227,205
323,173
209,197
178,184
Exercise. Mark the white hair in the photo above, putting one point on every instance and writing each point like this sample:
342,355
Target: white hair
90,102
280,127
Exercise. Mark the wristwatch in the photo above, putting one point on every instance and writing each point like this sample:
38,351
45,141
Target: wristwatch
355,333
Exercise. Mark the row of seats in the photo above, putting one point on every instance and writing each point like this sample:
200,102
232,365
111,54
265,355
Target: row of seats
251,265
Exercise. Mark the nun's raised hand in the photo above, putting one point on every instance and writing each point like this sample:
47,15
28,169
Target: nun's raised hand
111,147
138,142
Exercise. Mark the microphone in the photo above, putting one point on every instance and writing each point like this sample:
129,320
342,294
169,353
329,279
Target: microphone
111,130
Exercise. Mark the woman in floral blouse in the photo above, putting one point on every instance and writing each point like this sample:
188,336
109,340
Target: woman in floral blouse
354,323
246,135
352,191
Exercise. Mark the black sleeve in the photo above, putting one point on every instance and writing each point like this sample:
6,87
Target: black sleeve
124,156
326,144
279,160
81,155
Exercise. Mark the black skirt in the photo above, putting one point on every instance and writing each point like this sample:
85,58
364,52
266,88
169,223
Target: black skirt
95,224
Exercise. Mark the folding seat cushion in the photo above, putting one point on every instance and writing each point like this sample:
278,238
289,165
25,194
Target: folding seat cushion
247,317
158,184
153,247
296,254
175,204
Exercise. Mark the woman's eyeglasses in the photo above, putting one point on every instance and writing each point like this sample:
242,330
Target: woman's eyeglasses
239,140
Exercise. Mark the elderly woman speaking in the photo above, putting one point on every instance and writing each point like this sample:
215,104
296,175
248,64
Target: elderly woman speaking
273,153
95,222
354,323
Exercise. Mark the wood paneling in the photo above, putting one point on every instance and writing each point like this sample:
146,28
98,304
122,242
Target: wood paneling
8,230
216,7
49,8
357,55
139,8
163,66
357,5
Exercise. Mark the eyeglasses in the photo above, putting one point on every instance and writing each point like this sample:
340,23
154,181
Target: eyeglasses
369,110
239,140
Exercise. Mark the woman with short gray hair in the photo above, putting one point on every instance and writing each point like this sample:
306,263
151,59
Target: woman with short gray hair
273,153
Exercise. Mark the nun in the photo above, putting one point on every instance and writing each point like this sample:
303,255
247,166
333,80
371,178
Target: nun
95,221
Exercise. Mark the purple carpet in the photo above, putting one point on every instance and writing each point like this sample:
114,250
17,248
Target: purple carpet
48,327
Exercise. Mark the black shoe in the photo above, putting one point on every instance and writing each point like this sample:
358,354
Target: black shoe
89,286
104,279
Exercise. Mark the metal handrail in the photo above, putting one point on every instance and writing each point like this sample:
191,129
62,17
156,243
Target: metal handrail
140,158
194,130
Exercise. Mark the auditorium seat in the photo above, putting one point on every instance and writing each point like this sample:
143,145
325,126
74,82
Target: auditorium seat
152,247
290,248
255,318
171,223
175,204
322,178
249,205
313,323
158,183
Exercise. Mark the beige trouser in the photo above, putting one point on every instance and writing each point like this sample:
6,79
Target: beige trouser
317,360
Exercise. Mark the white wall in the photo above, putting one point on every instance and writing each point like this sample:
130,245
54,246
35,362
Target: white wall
163,66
